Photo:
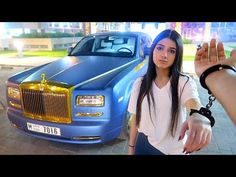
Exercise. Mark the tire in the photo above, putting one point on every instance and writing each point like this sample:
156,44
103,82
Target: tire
125,130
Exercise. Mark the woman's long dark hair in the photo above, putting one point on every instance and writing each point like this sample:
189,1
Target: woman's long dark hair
175,69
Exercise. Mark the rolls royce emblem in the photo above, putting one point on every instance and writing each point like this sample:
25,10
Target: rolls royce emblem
43,77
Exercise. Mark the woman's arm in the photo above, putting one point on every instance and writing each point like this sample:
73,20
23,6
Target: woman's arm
223,86
132,135
221,83
199,128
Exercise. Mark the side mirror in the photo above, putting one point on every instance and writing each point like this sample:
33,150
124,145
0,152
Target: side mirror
146,50
69,49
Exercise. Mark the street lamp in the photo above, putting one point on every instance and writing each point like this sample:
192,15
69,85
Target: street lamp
19,46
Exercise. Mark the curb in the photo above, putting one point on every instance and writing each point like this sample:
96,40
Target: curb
5,66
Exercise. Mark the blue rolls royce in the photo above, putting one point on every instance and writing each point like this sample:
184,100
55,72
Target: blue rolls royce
83,97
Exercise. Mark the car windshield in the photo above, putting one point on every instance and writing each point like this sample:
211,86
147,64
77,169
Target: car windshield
106,45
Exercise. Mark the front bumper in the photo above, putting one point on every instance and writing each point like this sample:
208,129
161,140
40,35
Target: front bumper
80,132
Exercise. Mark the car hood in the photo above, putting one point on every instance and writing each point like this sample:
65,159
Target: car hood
78,71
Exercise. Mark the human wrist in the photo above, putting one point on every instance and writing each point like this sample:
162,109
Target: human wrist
214,72
211,78
204,112
131,146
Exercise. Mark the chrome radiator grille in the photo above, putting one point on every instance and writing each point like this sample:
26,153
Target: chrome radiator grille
33,102
46,105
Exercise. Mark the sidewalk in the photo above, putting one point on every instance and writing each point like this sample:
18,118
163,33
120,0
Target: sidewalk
25,61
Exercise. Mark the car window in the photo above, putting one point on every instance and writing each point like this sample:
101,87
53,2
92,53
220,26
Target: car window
108,45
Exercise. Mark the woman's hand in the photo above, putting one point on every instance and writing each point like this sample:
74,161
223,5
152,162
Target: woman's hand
199,134
204,59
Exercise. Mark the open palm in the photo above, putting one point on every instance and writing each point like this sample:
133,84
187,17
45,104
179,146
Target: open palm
208,56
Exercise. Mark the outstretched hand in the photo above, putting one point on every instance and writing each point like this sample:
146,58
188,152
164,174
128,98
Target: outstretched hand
208,56
199,133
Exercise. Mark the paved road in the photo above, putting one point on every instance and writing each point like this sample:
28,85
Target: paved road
25,61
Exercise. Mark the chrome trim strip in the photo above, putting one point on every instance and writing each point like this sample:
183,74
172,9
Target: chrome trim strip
89,114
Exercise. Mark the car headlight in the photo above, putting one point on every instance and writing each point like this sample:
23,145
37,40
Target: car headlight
13,93
90,100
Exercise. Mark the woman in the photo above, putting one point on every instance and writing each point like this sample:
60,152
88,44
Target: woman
158,104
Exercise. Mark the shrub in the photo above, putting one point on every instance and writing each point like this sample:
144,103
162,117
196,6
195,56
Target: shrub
79,34
187,41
